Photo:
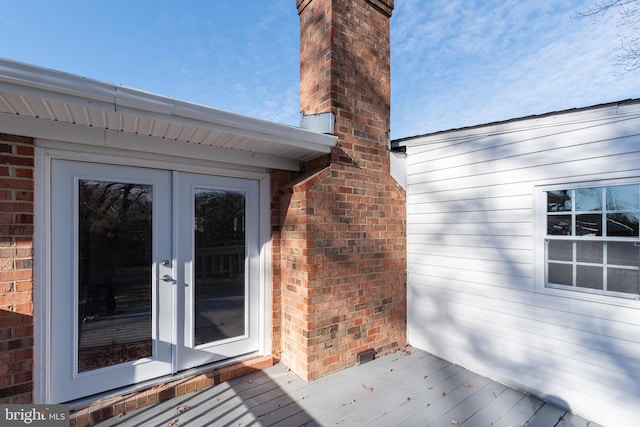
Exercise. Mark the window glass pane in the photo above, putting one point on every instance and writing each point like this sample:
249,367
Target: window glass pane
623,198
589,252
623,253
558,201
559,225
560,250
589,277
622,224
589,225
560,274
588,199
627,281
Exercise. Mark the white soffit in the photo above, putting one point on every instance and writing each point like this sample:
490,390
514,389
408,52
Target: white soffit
33,98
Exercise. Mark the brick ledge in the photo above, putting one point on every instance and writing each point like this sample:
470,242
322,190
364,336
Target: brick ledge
117,406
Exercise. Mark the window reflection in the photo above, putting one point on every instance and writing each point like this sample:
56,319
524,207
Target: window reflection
623,198
558,201
559,225
219,265
622,224
603,253
588,199
114,277
588,225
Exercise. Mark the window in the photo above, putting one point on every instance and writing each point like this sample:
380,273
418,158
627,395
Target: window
592,241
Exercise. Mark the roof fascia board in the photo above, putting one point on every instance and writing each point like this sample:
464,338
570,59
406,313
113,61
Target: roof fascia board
50,81
66,132
22,78
613,112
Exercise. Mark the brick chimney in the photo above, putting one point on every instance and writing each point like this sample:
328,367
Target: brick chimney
345,69
343,246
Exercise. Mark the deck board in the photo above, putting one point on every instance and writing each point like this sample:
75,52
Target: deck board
407,388
502,411
547,415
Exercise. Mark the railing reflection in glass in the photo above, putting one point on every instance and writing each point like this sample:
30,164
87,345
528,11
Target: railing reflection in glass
220,254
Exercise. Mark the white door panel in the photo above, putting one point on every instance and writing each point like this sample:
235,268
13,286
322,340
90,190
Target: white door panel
217,243
105,294
151,272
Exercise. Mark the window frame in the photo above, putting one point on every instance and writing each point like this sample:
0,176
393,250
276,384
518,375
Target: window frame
541,239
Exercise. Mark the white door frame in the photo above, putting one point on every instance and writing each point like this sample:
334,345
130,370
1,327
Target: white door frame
46,150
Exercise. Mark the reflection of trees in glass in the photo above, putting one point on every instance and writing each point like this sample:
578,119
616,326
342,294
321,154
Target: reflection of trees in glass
623,198
115,246
622,224
219,218
588,199
126,209
558,201
115,251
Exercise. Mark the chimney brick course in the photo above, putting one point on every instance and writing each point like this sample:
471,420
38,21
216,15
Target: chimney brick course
342,235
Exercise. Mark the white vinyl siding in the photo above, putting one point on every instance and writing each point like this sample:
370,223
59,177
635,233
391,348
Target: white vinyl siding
476,293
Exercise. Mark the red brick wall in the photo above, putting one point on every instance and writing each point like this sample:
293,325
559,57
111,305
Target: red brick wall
16,269
279,179
342,238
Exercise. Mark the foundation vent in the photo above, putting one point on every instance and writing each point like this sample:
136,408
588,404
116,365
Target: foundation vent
366,356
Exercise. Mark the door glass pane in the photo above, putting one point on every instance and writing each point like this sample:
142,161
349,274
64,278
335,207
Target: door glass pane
219,265
114,277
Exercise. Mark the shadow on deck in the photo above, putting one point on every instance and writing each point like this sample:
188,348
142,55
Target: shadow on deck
407,388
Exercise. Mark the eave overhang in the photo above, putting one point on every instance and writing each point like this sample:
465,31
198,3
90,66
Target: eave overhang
48,104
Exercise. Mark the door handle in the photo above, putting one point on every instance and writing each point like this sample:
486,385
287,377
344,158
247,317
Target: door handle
167,278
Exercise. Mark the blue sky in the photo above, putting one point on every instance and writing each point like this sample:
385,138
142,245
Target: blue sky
454,63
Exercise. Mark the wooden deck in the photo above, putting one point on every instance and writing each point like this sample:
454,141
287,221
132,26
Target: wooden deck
408,388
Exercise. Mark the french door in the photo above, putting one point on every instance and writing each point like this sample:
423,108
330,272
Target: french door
152,272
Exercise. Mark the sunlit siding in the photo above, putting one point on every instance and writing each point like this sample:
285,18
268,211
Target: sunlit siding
475,292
